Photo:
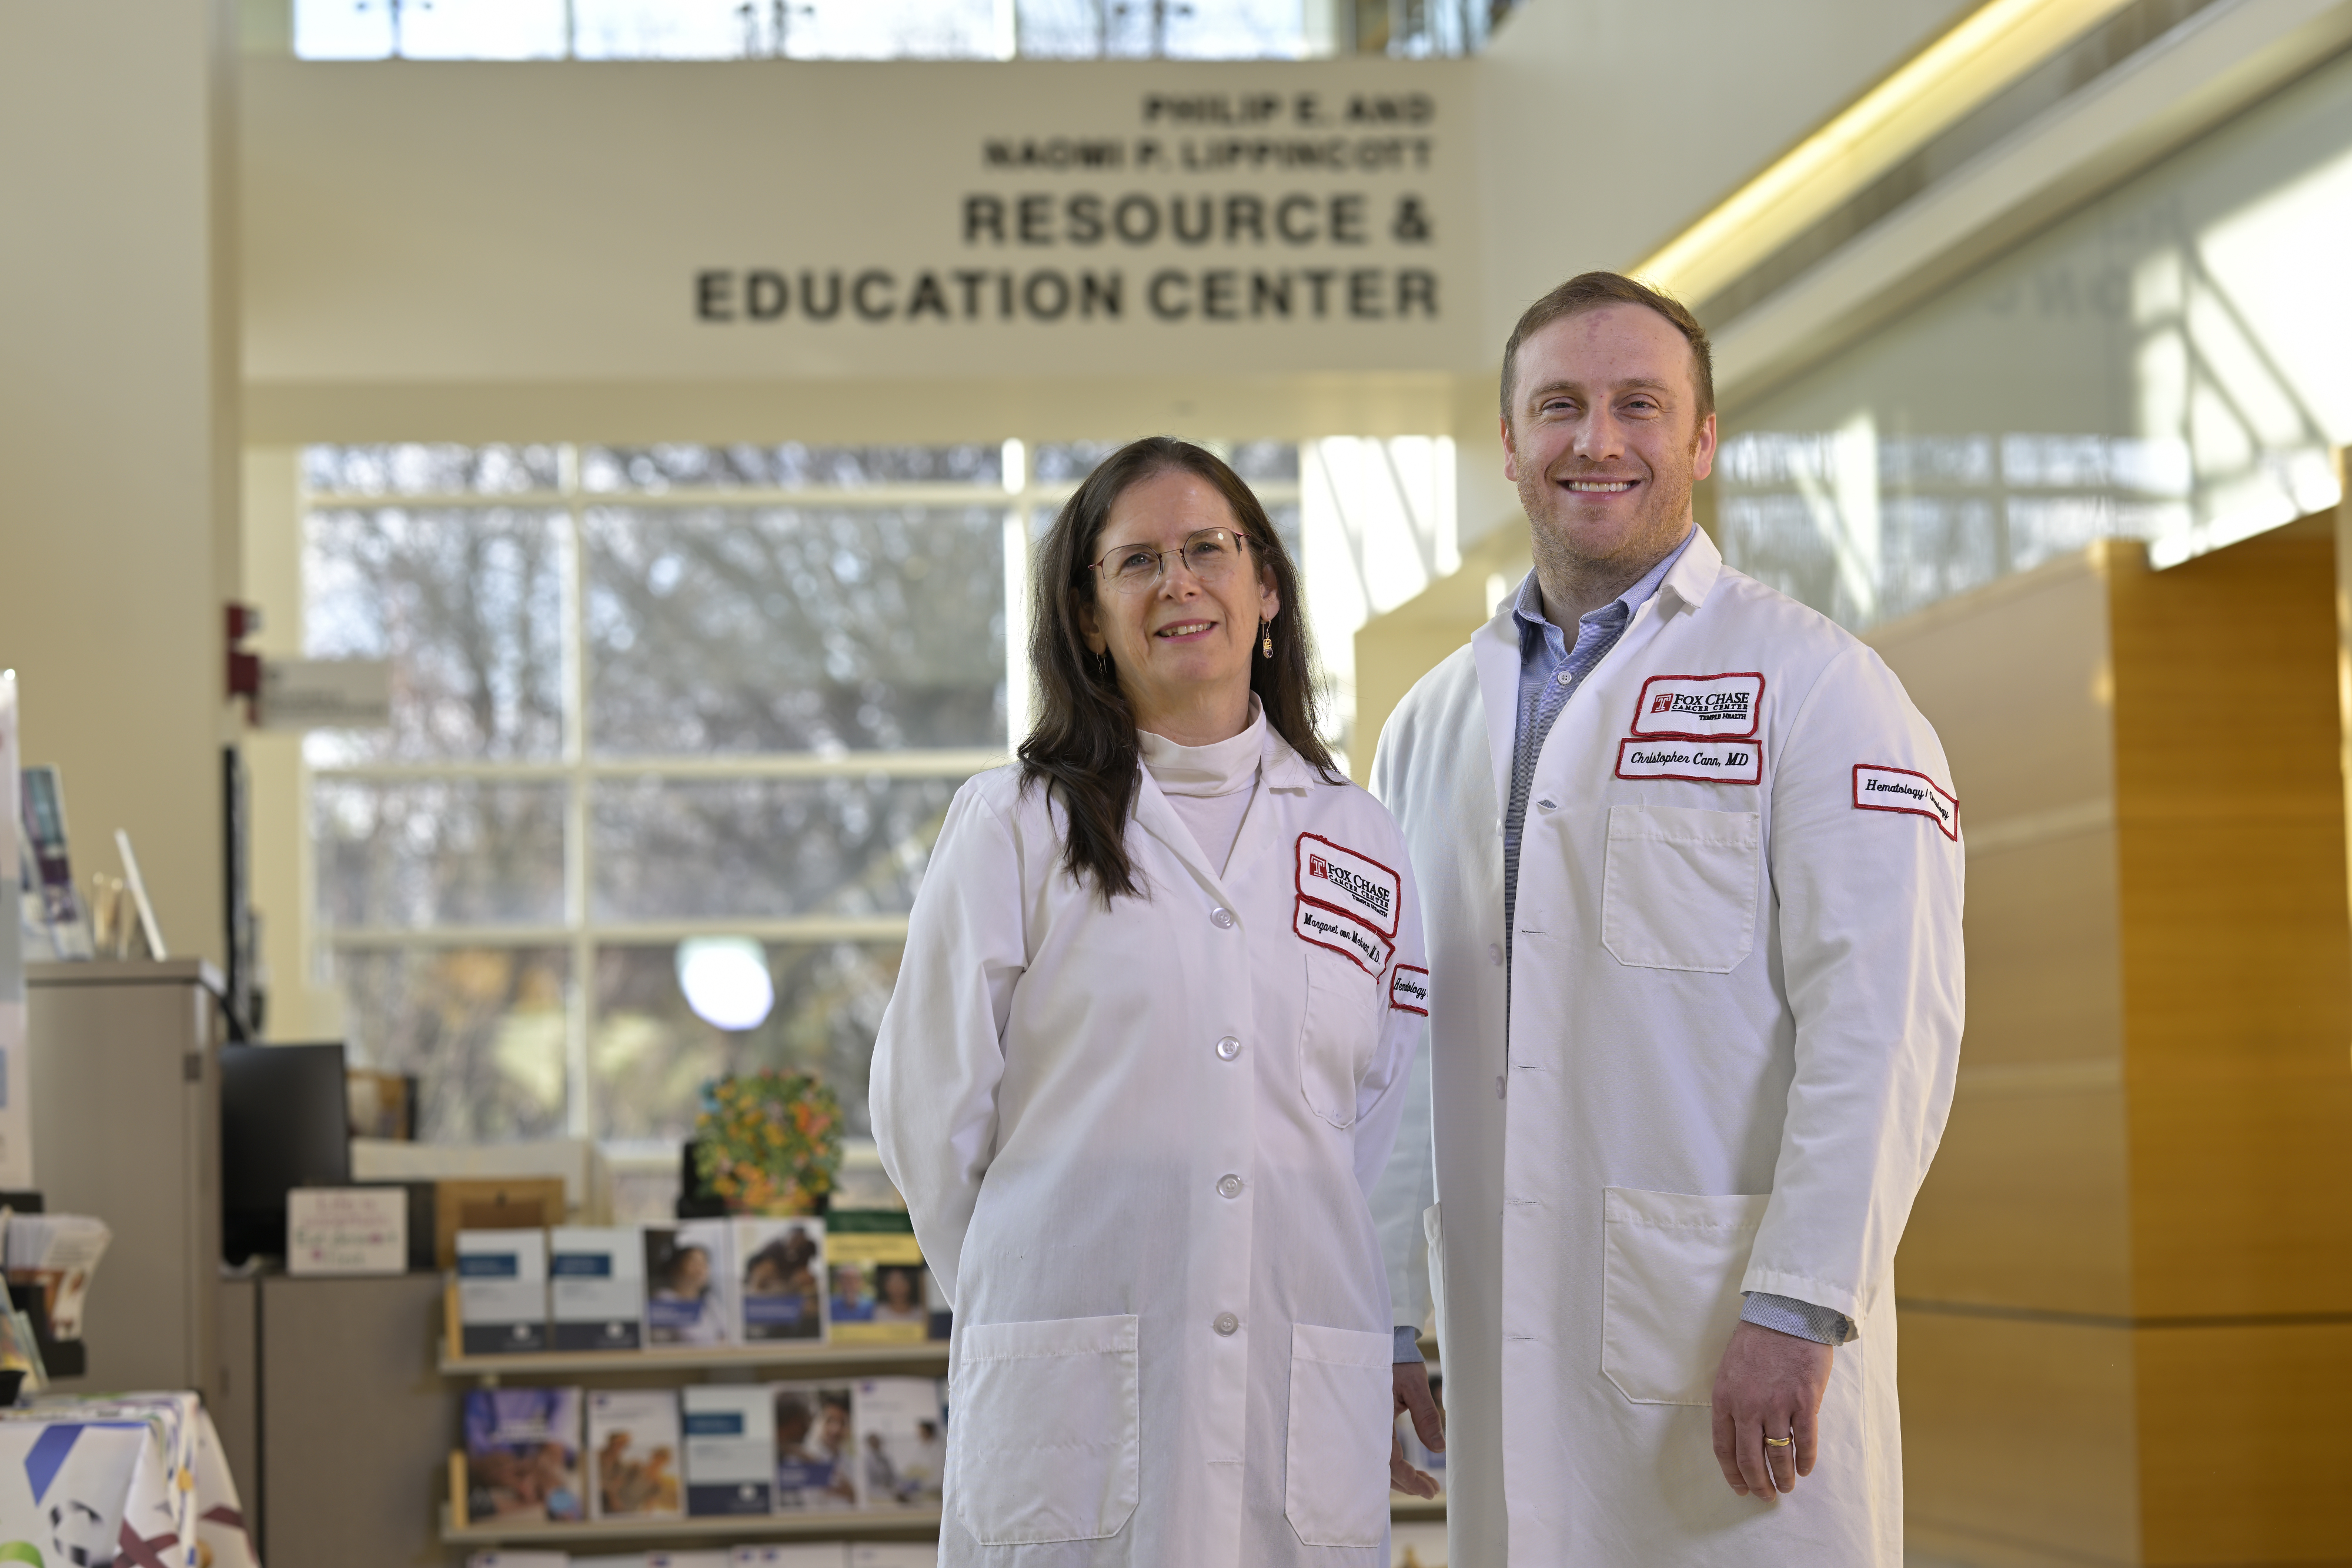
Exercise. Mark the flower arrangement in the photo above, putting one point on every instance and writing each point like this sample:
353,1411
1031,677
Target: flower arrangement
769,1142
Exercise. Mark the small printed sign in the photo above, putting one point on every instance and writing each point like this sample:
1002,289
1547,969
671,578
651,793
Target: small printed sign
326,693
1700,707
347,1230
1701,761
1342,934
1879,789
1338,878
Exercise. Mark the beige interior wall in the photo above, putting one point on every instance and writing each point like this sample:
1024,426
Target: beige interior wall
299,1008
118,425
1394,650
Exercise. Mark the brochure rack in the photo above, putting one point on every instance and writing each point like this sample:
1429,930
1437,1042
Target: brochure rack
675,1365
669,1365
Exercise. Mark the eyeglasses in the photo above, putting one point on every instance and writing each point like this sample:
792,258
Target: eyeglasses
1209,556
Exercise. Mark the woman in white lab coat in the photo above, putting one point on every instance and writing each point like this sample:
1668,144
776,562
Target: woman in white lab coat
1146,1058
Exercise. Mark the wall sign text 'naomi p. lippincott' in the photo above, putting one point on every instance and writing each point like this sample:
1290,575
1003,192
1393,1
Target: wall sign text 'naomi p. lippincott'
1288,255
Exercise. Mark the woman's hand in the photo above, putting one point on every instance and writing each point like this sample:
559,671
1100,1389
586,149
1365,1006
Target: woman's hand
1413,1394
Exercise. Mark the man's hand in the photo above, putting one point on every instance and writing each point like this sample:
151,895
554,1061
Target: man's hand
1413,1394
1769,1385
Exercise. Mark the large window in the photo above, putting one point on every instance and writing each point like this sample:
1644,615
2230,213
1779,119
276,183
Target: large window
645,696
2164,365
888,29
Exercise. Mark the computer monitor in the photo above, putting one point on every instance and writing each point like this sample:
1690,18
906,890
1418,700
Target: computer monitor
285,1122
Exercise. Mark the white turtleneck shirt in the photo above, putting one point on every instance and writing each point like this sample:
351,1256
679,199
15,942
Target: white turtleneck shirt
1210,786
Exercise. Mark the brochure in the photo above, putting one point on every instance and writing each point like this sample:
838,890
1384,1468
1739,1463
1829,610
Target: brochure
782,1271
44,807
902,1442
632,1446
880,1295
522,1454
502,1291
893,1554
57,1252
20,1351
816,1445
596,1287
730,1449
689,1272
800,1554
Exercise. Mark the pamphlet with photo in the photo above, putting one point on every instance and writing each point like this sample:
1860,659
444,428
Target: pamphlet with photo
816,1445
782,1284
522,1454
633,1454
689,1280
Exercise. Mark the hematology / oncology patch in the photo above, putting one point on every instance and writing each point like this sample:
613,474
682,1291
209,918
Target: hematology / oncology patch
1341,878
1879,789
1700,707
1701,761
1409,989
1342,934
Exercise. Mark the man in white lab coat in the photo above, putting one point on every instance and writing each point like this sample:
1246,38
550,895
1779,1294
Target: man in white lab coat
1691,866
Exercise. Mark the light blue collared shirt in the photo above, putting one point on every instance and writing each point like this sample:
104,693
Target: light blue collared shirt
1551,671
1549,674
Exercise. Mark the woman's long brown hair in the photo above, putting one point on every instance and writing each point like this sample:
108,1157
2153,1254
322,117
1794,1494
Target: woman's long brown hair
1084,748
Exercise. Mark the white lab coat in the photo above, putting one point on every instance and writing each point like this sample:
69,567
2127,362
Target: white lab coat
1121,1132
1718,1059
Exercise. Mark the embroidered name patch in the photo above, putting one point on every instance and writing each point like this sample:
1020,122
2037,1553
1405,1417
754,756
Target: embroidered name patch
1877,789
1700,707
1342,934
1409,989
1702,761
1341,878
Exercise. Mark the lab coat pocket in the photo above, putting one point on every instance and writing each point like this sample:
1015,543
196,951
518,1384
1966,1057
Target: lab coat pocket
1679,889
1342,1414
1671,1290
1336,1036
1046,1432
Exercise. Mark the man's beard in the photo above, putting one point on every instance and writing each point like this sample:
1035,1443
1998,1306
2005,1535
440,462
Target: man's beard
1665,505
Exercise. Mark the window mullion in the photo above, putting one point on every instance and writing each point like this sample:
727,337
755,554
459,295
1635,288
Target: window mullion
579,869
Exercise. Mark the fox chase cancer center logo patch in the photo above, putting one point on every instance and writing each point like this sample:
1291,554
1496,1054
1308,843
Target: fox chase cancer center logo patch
1342,880
1700,707
1877,789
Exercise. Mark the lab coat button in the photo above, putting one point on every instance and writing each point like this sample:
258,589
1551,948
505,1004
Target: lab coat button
1493,952
1226,1324
1228,1048
1222,918
1229,1186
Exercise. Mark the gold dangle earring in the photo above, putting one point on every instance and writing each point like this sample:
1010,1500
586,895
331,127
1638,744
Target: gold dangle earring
1265,639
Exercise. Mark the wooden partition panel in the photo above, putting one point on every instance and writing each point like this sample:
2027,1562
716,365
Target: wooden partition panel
2025,1207
2127,1289
2237,955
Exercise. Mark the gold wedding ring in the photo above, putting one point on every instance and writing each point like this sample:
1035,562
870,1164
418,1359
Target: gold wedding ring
1779,1442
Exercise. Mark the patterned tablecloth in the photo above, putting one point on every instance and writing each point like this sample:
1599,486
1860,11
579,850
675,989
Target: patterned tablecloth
123,1481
